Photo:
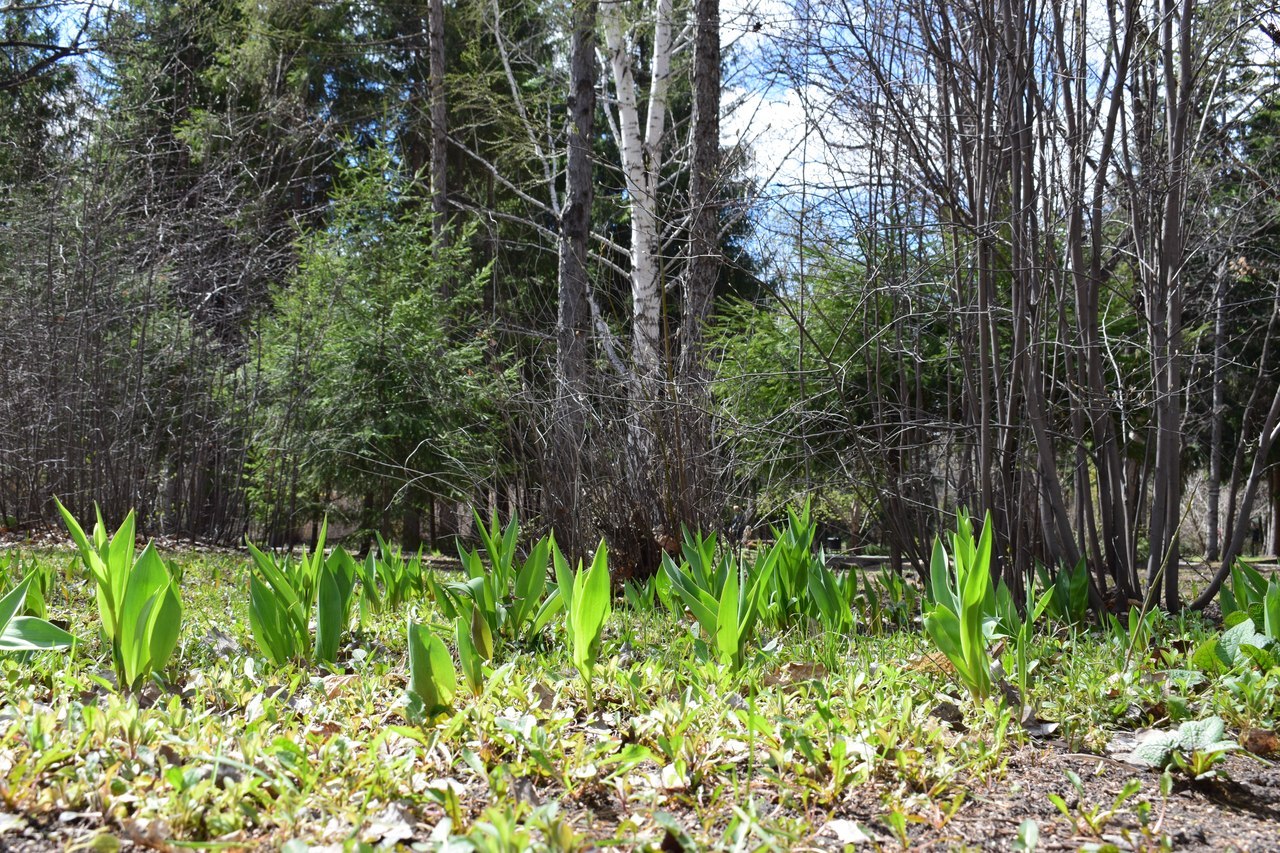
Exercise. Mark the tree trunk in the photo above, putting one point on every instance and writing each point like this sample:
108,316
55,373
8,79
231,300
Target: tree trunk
645,498
642,160
1275,510
573,321
411,529
439,119
696,507
1164,301
1218,411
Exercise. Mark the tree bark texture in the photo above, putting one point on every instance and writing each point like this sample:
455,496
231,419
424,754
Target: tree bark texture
695,474
573,321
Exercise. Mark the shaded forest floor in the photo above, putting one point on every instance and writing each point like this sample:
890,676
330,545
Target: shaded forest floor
819,743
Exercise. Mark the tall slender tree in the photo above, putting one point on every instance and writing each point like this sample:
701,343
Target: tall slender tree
573,323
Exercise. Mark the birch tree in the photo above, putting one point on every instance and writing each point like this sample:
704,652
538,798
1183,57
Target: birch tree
643,148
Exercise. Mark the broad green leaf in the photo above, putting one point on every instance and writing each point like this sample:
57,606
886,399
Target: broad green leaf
330,617
26,633
120,557
12,602
269,624
506,557
1156,748
87,552
564,585
481,635
432,677
726,635
939,578
947,632
699,600
666,594
345,571
1206,657
1271,612
104,592
1261,657
146,584
164,625
762,574
472,663
531,582
1046,598
370,597
943,627
635,597
317,556
591,607
1233,638
551,606
280,583
1235,618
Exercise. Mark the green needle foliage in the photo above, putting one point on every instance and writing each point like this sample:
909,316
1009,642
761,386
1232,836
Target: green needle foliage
138,600
27,633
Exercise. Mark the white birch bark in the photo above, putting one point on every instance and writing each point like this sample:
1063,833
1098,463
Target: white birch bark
642,157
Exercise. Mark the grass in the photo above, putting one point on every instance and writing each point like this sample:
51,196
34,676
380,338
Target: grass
814,733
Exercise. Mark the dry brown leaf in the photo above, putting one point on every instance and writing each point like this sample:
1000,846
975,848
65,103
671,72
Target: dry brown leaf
545,697
335,684
153,834
326,729
1260,741
794,673
931,662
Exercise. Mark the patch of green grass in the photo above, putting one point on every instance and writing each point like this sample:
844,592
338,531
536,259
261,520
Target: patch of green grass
668,741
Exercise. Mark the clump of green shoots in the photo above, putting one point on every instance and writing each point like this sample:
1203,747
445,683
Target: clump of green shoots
138,599
727,602
507,593
957,620
588,603
284,593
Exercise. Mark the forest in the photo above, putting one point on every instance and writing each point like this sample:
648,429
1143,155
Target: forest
664,424
268,263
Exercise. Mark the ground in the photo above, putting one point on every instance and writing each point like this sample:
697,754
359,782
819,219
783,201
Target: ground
819,742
